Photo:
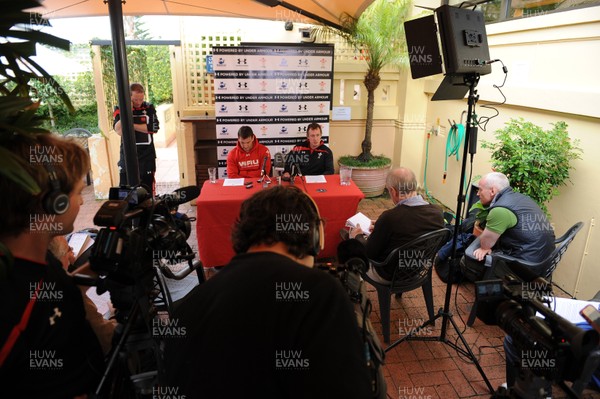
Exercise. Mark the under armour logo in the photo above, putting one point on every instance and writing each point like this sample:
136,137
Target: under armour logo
319,156
57,313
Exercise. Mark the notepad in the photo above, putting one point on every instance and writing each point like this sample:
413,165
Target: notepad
363,220
233,182
569,308
315,179
80,242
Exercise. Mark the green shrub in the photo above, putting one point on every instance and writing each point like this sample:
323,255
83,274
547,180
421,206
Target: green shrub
536,161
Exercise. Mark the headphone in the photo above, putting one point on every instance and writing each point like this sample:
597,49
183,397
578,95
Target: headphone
55,201
318,233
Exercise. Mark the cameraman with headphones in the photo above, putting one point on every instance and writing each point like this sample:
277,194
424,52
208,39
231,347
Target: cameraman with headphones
47,348
268,325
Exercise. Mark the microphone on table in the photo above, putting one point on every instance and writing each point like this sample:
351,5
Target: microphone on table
264,167
264,178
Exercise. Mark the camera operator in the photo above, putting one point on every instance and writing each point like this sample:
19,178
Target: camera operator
47,347
269,325
104,329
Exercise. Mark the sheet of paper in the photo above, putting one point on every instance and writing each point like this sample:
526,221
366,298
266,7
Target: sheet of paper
363,220
569,308
233,182
315,179
80,242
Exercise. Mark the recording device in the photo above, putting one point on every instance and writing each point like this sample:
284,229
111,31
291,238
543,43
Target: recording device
138,229
348,273
264,167
264,177
298,170
295,171
141,237
553,349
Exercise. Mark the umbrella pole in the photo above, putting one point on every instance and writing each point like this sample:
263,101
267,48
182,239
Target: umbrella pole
115,12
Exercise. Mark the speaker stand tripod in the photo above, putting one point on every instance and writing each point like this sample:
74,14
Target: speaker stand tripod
445,314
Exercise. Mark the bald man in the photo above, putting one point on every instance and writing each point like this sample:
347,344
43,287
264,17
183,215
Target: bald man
515,225
410,218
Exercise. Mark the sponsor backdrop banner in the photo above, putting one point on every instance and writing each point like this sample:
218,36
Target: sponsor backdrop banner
275,89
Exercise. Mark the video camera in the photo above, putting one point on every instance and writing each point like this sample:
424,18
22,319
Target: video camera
141,237
553,350
353,262
140,233
349,275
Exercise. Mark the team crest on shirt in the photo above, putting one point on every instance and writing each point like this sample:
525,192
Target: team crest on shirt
249,163
57,313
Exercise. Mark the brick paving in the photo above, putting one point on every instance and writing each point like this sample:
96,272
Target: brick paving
413,369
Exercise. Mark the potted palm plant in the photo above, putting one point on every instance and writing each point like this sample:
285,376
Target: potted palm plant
378,34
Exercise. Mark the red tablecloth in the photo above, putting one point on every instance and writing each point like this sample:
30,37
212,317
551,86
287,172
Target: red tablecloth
218,208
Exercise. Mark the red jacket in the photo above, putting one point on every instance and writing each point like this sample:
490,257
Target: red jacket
248,164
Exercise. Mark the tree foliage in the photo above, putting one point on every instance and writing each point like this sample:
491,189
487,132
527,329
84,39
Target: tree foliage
160,86
379,34
18,113
536,161
148,65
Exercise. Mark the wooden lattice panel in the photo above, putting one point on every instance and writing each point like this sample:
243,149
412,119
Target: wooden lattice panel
199,84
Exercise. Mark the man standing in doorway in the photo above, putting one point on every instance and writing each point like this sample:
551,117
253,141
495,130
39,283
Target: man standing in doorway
145,124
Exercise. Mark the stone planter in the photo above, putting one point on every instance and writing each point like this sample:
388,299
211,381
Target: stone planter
370,180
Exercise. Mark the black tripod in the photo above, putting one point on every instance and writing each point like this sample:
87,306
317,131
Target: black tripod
471,81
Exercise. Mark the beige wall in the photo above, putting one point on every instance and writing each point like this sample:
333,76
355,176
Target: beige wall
552,76
346,138
168,125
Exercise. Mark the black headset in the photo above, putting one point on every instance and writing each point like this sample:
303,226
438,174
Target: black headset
318,235
55,202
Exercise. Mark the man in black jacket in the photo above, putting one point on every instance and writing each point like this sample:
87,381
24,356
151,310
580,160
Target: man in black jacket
410,218
145,124
268,325
312,156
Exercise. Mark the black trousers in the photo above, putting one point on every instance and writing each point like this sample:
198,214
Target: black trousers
147,170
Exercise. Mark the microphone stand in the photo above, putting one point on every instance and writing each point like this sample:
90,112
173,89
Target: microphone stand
264,178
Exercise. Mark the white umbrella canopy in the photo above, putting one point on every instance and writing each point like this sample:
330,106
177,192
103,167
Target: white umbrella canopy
307,11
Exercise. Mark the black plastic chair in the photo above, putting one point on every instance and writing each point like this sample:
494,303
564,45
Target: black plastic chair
414,262
545,268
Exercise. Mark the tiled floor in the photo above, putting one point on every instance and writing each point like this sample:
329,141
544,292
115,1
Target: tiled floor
416,369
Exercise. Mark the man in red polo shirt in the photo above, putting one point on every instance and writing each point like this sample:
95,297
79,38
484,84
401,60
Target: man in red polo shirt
249,157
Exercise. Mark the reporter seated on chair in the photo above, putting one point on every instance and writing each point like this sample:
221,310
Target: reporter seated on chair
410,218
515,226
